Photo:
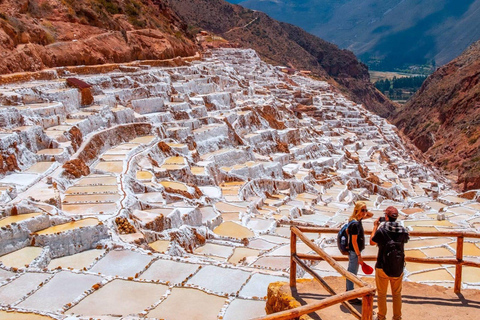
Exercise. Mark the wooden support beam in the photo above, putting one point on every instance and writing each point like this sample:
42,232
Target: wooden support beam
311,307
293,266
458,268
329,289
367,307
350,276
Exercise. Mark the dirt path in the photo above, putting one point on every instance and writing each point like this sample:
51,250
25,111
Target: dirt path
419,302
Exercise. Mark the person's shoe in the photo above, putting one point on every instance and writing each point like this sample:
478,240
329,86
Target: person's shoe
379,317
355,301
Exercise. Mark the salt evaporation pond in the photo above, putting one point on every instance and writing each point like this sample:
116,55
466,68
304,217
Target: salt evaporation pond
187,194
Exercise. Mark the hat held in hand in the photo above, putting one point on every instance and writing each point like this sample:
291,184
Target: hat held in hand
366,268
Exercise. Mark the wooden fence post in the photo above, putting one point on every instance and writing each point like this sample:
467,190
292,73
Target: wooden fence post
458,267
367,307
293,265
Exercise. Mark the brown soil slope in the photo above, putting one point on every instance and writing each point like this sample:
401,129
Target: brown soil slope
443,118
284,44
37,34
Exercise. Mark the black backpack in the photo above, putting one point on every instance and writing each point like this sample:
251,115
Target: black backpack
342,238
393,257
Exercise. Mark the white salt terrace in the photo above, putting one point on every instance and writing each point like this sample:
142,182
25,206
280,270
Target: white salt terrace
207,185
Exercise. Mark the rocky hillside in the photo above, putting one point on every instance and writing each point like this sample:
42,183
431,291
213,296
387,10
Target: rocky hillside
284,44
386,33
37,34
443,118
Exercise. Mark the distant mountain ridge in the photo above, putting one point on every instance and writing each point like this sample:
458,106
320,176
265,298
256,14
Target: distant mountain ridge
387,33
285,44
443,118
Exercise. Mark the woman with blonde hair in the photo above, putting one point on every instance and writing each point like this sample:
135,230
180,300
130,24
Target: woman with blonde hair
356,241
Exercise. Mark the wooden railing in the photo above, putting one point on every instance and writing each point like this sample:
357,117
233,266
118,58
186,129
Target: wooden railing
365,291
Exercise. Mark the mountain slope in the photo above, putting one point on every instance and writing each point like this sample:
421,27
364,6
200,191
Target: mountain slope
37,34
388,33
443,118
285,44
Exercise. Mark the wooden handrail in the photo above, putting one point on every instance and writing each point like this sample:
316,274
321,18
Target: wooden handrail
312,307
451,234
350,276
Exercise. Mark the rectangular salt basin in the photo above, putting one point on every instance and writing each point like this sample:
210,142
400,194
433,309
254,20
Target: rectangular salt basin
175,272
40,167
120,297
20,258
98,180
110,166
201,305
21,286
122,263
76,261
51,152
89,208
219,280
240,309
143,140
174,185
92,189
64,288
257,285
21,217
20,179
11,315
70,226
211,249
92,198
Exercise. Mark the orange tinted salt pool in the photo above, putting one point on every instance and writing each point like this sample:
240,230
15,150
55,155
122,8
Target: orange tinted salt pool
174,185
9,220
175,160
198,170
92,189
438,252
143,140
434,275
97,180
110,166
89,208
40,167
92,198
19,258
411,210
51,152
4,315
160,245
442,223
469,249
77,261
144,175
69,226
234,230
469,274
426,243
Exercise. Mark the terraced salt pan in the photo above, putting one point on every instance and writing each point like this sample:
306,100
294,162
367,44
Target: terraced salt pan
77,261
257,285
213,278
50,152
211,249
91,198
4,274
174,272
110,166
40,167
18,218
21,286
89,208
201,306
144,175
98,180
5,315
63,288
174,185
69,226
143,140
433,275
243,254
160,245
92,189
20,179
122,263
469,274
240,309
120,297
233,230
273,263
20,258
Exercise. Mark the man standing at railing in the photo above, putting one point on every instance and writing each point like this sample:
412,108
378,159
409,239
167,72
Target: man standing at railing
390,237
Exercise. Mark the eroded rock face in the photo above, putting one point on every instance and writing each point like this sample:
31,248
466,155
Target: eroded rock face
76,168
53,33
441,119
